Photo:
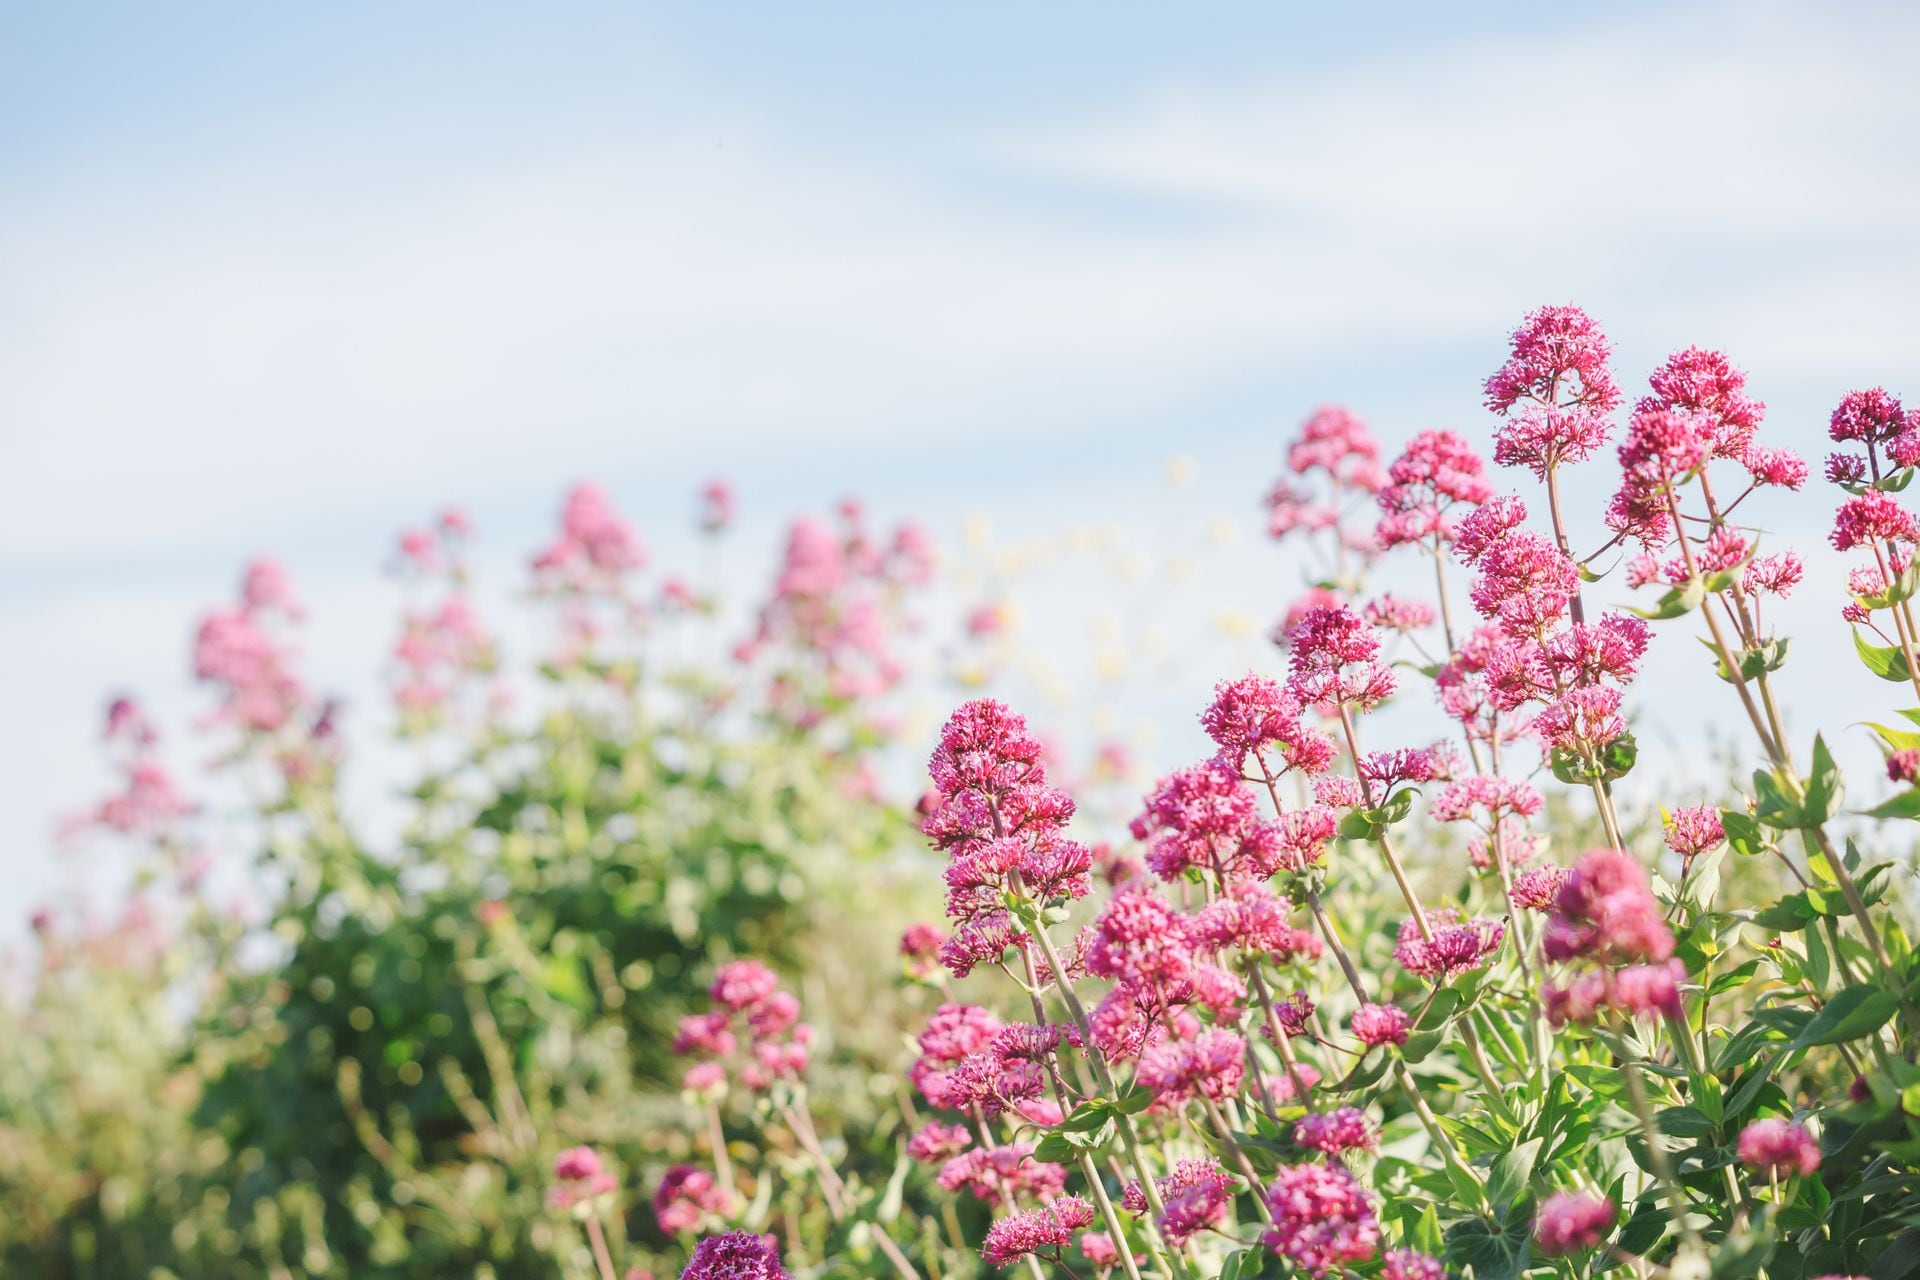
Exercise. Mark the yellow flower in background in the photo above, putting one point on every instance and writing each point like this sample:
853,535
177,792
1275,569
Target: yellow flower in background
1223,530
977,531
1234,624
1181,471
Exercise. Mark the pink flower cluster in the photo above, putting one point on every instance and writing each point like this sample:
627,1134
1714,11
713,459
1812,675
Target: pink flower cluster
1196,1197
1047,1229
1002,826
751,1009
735,1255
1780,1146
830,618
1323,1218
1606,916
578,1176
1435,475
1555,391
1570,1221
689,1197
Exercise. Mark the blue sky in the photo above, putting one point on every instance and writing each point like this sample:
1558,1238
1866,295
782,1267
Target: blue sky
286,277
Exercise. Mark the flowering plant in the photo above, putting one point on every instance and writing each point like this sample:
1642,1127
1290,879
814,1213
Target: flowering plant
1328,1005
1221,1054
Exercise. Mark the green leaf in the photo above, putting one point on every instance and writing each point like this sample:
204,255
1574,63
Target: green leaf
1823,787
1885,661
1854,1012
1677,601
1893,739
1501,1256
1743,832
1684,1122
1087,1117
1904,805
1135,1100
1359,825
1055,1149
1511,1174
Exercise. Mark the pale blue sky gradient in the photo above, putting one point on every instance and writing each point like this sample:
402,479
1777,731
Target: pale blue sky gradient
285,278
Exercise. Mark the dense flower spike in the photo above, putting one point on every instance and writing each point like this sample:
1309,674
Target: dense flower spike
1555,391
1337,1131
1606,911
1410,1264
736,1255
1378,1024
1774,1145
1334,660
1046,1229
578,1176
687,1197
1437,472
1322,1218
1570,1221
1254,716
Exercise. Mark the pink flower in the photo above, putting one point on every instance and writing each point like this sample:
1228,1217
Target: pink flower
1139,938
1209,1065
716,506
1098,1248
954,1031
1707,382
1538,889
1873,516
1607,911
1409,1264
1583,723
920,948
1336,1131
735,1255
1454,947
706,1079
1207,821
989,1171
1694,830
1336,441
1570,1221
1050,1227
986,763
1250,917
1555,352
1333,660
579,1176
1780,468
1378,1024
686,1197
1197,1195
1437,471
1776,1145
1903,766
1524,582
1304,833
1869,417
936,1143
1775,575
1485,800
1322,1218
1254,715
708,1033
742,984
